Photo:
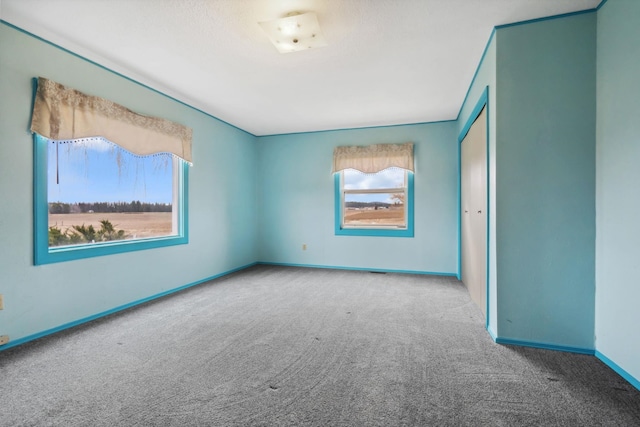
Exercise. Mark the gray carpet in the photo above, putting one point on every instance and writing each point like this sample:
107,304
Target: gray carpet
290,346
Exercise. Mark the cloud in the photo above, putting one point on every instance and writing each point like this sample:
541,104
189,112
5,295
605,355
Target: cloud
388,178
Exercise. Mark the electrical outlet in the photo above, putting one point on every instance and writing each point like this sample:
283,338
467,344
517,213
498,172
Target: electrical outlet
304,247
1,302
4,339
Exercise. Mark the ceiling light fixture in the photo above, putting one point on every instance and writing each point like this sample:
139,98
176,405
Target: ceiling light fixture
295,32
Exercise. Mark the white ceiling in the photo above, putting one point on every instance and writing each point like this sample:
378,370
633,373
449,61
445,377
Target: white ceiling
387,61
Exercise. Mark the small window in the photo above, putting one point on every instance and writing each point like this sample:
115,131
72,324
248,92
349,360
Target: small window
374,204
94,198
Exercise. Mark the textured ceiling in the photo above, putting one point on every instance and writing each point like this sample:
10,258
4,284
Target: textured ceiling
387,61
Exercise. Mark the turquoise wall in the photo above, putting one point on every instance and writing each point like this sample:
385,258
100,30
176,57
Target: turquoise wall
221,210
545,188
296,201
618,179
485,79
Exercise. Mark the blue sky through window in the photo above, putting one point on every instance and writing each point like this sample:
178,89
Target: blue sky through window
95,170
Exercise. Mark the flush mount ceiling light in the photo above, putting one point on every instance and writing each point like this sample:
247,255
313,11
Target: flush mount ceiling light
296,31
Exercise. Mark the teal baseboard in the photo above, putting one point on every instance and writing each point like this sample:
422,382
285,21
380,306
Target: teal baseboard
610,363
87,319
376,270
545,346
613,365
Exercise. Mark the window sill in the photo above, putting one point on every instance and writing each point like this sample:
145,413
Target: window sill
69,253
373,232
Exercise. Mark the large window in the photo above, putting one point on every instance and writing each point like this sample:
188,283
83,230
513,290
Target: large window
106,180
379,201
94,198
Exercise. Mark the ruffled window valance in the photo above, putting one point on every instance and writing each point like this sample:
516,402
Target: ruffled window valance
373,158
62,113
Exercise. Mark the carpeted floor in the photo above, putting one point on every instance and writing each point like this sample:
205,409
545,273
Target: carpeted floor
278,346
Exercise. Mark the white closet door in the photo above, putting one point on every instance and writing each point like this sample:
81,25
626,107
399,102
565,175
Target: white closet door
474,211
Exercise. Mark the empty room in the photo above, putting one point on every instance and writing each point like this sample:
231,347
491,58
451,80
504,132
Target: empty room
319,212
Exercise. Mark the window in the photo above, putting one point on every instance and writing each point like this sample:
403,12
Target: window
378,201
93,196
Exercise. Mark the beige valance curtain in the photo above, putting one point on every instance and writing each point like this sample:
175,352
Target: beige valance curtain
373,158
62,113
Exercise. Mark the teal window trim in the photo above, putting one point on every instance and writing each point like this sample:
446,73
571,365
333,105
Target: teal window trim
45,255
375,232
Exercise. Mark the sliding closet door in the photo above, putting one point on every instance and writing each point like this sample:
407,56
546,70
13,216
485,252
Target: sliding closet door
474,211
